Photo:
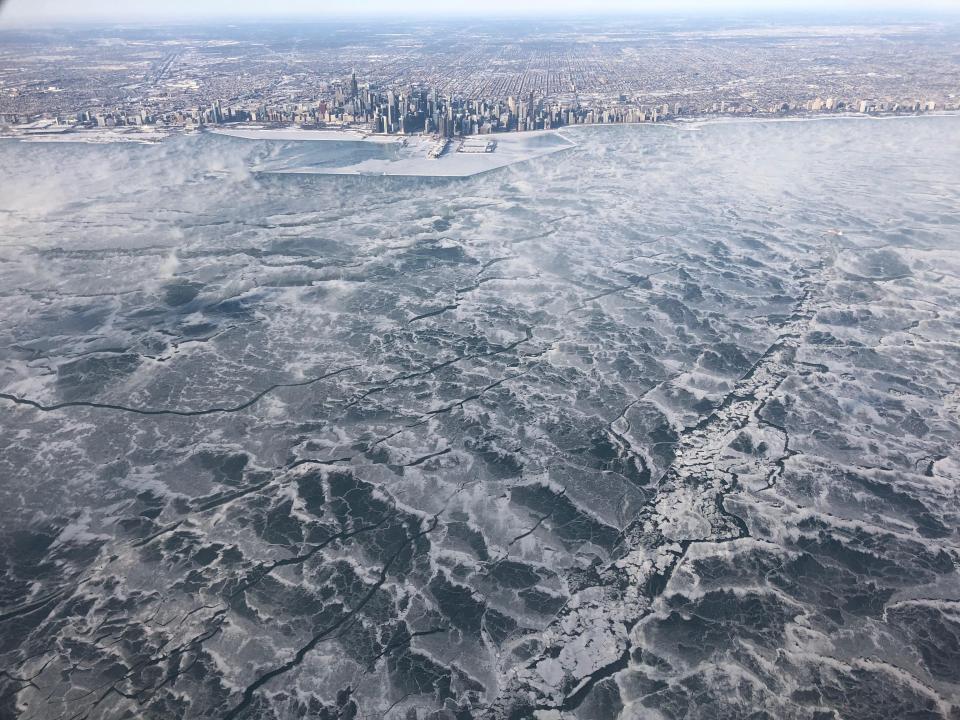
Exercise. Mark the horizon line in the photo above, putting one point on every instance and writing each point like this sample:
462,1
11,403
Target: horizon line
715,13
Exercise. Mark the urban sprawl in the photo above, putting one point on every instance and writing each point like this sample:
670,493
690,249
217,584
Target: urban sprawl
420,110
460,79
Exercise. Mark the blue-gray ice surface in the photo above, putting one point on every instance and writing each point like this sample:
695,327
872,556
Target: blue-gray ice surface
663,426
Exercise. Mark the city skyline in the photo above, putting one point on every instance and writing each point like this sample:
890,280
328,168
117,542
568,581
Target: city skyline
555,73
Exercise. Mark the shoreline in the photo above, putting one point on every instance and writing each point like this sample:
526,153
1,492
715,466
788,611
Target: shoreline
413,161
720,119
297,134
105,136
351,134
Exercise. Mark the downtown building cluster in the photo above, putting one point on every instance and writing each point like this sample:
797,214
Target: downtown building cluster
421,110
416,110
404,112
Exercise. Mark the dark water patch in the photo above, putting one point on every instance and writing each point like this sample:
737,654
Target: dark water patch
413,673
725,358
198,329
699,628
933,633
514,574
861,694
181,293
226,466
602,702
539,601
566,520
498,625
462,534
310,489
278,526
880,264
928,525
458,603
90,375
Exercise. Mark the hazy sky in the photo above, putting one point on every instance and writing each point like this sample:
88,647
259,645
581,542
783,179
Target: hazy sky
20,11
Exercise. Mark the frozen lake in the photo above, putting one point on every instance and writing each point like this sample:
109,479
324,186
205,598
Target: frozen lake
664,425
395,155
